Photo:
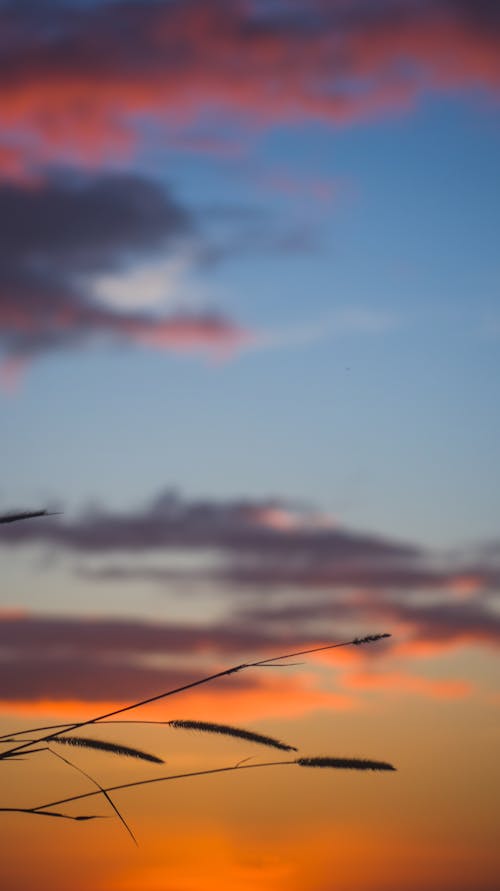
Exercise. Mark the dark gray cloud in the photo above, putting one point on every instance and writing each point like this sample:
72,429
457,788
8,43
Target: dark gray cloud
58,657
97,637
316,583
442,623
88,224
384,573
263,544
67,678
62,657
242,526
449,622
311,572
56,236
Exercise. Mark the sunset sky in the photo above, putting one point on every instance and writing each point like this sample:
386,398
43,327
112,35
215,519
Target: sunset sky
249,356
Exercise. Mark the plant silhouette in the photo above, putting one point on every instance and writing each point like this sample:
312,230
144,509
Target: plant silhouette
36,740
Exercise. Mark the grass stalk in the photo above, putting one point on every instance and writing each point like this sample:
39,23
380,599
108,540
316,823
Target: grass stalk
372,638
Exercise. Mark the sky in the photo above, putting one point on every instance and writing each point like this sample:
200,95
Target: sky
249,354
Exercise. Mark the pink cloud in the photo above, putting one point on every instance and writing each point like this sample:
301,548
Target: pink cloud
83,92
183,333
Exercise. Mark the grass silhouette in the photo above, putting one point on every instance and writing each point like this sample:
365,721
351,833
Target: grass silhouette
35,740
25,515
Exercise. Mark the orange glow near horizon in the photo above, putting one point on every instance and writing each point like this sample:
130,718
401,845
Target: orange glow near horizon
288,698
280,827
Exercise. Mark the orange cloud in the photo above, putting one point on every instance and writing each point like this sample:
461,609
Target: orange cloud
400,682
290,697
465,585
423,647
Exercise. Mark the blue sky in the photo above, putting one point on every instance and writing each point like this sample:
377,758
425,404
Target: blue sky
373,392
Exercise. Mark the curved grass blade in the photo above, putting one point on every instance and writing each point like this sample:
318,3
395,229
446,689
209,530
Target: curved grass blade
238,732
38,812
104,792
370,638
6,737
24,515
112,748
345,763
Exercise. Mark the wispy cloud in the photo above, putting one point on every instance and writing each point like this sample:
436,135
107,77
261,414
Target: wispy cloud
402,682
279,567
348,322
60,659
287,576
239,526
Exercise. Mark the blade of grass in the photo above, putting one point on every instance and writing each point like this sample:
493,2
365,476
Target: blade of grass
39,813
26,515
102,746
101,789
345,763
227,730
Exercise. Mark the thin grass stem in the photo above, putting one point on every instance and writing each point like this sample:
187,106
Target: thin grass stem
219,674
